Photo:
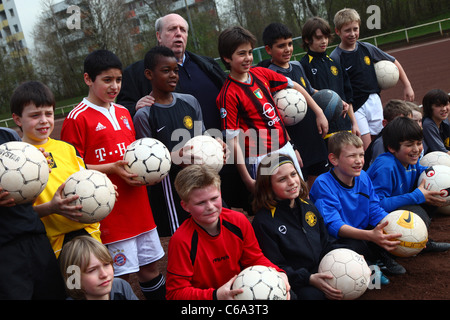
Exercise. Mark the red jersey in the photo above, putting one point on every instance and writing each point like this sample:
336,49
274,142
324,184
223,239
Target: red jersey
199,263
250,107
101,136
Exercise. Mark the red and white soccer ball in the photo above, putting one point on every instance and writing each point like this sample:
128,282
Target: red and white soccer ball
350,272
23,171
208,151
414,232
387,74
96,192
437,178
260,283
434,158
149,158
291,105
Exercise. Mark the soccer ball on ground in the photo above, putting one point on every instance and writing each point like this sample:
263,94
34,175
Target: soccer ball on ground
292,106
434,158
149,158
330,102
260,283
387,74
24,171
350,272
413,229
96,194
208,150
437,178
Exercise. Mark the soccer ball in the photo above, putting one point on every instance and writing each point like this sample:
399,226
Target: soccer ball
350,272
387,74
330,102
413,229
208,149
96,194
437,178
260,283
149,159
23,171
291,105
434,158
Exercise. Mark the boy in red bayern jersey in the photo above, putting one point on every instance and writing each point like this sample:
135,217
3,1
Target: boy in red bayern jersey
101,131
213,245
247,106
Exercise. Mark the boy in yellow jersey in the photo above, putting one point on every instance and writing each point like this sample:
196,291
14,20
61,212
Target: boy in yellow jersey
32,108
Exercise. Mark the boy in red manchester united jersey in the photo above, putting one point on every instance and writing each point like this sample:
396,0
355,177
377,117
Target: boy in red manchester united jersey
101,130
247,107
213,245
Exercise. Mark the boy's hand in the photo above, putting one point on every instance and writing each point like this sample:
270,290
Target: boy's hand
387,241
6,202
226,293
408,93
119,169
432,197
322,124
345,107
318,280
226,150
62,205
184,157
146,101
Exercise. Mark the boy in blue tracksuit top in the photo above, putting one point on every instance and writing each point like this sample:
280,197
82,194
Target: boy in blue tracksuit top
395,174
349,205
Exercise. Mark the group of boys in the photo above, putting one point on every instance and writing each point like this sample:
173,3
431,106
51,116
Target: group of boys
98,130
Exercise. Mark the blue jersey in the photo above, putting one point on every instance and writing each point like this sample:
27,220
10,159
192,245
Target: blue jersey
357,206
395,185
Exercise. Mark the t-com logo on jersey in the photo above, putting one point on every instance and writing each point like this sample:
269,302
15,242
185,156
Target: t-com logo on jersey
270,113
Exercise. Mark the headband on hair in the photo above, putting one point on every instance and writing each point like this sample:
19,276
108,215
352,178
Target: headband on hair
280,161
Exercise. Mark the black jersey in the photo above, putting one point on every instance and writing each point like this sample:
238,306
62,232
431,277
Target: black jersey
359,65
325,73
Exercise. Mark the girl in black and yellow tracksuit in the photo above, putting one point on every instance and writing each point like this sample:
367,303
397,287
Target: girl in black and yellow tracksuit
292,233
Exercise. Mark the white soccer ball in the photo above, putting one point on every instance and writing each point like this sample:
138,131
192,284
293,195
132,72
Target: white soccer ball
437,178
387,74
414,232
350,272
96,194
434,158
208,149
149,158
291,105
260,283
23,171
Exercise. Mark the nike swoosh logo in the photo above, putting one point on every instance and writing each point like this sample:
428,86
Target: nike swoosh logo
159,130
409,218
346,69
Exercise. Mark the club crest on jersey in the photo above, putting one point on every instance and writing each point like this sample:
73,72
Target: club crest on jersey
311,218
334,70
188,123
223,113
258,94
126,123
367,60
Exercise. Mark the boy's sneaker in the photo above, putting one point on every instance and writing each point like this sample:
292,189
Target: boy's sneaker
391,266
378,277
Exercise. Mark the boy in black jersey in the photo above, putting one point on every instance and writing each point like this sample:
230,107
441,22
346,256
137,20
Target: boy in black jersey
325,73
173,119
358,59
278,43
